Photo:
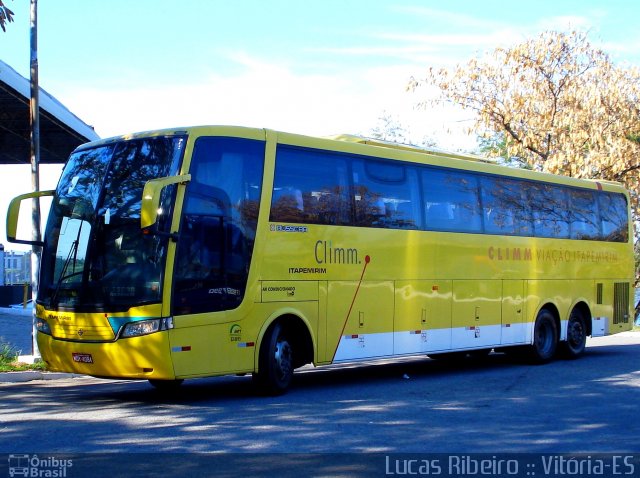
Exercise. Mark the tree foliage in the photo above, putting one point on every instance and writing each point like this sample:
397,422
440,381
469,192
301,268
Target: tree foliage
390,128
561,105
6,16
495,146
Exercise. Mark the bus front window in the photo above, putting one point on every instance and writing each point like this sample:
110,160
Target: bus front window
96,256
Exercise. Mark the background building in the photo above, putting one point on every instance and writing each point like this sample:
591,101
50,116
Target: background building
16,267
15,276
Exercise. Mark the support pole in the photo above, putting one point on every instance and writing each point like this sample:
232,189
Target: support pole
34,108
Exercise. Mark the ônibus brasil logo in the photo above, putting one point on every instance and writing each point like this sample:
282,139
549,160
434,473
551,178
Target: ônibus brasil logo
35,466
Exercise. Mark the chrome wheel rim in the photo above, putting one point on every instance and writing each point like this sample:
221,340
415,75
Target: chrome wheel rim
575,334
544,338
283,359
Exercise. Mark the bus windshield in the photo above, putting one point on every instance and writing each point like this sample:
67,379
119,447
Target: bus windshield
96,256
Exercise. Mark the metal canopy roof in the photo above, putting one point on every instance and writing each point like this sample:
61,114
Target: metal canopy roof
60,130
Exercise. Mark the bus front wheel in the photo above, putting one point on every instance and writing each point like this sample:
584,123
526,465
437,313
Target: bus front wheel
545,338
275,362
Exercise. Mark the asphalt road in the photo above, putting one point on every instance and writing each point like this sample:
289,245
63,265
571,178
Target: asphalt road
15,329
416,405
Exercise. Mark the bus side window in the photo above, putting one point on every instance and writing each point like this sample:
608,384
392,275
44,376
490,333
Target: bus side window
505,202
451,201
309,187
550,213
438,216
613,214
288,205
386,195
583,210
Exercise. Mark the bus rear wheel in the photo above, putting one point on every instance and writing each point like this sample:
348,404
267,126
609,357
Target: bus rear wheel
275,362
545,338
576,336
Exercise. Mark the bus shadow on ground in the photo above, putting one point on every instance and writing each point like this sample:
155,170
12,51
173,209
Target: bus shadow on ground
413,371
409,404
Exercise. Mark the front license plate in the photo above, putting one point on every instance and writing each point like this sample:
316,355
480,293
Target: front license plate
82,358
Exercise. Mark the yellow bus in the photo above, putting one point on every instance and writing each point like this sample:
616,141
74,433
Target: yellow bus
206,251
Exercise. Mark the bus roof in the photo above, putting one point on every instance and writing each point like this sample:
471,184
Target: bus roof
350,138
259,133
465,157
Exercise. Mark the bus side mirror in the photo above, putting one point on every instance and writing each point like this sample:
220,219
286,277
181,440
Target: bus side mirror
151,197
14,212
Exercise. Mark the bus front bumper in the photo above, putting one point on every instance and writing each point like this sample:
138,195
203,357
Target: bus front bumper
146,357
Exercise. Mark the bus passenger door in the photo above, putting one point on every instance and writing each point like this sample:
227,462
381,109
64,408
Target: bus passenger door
213,256
513,330
359,320
422,321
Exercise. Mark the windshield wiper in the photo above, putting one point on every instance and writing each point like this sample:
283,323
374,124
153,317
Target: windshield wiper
73,254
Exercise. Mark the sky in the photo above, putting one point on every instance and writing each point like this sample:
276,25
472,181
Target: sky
311,67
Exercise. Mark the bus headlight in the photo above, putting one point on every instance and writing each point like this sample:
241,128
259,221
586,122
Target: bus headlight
146,327
43,326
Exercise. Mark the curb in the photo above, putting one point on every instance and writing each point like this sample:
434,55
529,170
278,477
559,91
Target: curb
31,375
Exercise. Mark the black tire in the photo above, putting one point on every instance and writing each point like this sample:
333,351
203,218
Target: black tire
166,385
545,338
576,336
275,362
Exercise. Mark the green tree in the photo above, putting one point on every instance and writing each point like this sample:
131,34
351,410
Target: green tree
390,128
6,16
495,146
561,105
